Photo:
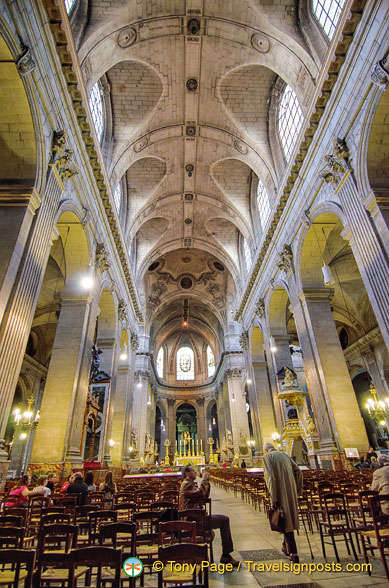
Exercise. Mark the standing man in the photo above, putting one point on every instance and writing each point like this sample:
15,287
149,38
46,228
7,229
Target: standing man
284,482
191,496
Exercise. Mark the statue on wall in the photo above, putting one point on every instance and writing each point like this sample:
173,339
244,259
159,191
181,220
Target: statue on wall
230,442
96,352
288,378
148,443
133,440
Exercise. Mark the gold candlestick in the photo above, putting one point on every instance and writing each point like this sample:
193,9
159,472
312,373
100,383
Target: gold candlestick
197,447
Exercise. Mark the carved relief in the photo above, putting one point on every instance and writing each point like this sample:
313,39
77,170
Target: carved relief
260,42
25,63
244,340
134,341
141,144
127,37
232,373
260,308
123,312
102,257
285,258
380,73
241,147
337,163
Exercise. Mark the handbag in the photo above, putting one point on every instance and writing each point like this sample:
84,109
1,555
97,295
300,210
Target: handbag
276,519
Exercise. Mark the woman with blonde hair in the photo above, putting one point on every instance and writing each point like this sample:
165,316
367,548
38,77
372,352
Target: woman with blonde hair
109,489
41,485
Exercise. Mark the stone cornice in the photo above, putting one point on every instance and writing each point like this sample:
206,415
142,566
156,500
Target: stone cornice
67,54
373,336
326,82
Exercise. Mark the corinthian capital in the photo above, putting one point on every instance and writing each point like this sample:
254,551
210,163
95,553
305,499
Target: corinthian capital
336,164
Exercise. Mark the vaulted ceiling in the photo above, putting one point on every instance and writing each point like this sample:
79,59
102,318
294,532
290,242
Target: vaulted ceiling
191,89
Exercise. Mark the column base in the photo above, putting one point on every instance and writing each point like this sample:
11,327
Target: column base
4,465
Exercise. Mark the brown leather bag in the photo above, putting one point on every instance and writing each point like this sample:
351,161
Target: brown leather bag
276,519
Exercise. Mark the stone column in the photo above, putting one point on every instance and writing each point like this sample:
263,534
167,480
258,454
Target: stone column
171,425
332,367
322,410
369,253
239,422
264,403
221,423
26,286
64,398
139,420
18,206
202,430
121,425
107,365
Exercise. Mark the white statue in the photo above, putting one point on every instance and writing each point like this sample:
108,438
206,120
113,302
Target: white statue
230,442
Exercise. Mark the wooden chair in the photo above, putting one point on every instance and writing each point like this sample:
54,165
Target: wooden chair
125,510
16,565
36,504
120,535
173,532
183,553
380,532
98,518
103,565
97,499
203,534
11,537
146,541
52,518
336,524
59,537
56,569
11,521
82,520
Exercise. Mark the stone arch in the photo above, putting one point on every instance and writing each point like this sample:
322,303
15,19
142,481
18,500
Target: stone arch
76,249
18,162
377,157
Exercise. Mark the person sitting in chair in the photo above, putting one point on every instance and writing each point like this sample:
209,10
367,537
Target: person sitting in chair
191,496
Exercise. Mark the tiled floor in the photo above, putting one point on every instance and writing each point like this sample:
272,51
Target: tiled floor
250,531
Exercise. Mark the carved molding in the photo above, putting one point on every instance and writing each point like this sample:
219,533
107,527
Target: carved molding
142,375
233,373
123,312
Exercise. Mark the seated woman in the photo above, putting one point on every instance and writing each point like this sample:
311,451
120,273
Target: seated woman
21,490
65,485
41,485
109,489
89,482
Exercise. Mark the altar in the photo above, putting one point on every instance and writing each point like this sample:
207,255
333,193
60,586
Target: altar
185,460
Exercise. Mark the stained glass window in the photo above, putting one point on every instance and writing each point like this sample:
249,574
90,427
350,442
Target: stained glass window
210,362
160,363
290,119
263,203
327,13
185,364
96,106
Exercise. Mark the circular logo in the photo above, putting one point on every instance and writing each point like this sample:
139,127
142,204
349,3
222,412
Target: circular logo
133,567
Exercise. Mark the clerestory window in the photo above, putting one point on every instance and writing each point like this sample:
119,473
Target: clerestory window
159,363
247,255
290,119
96,107
185,364
69,5
210,362
327,13
117,196
263,203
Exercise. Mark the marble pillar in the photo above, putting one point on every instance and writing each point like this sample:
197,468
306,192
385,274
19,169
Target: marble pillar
121,421
264,403
237,401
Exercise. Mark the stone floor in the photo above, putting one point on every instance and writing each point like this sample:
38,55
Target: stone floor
251,532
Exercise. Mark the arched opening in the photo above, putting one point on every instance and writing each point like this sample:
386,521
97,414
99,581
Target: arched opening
186,428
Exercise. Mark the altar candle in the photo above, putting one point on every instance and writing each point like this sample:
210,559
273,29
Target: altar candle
201,445
197,446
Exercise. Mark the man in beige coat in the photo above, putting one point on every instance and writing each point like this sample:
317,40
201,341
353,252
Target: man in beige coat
284,482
